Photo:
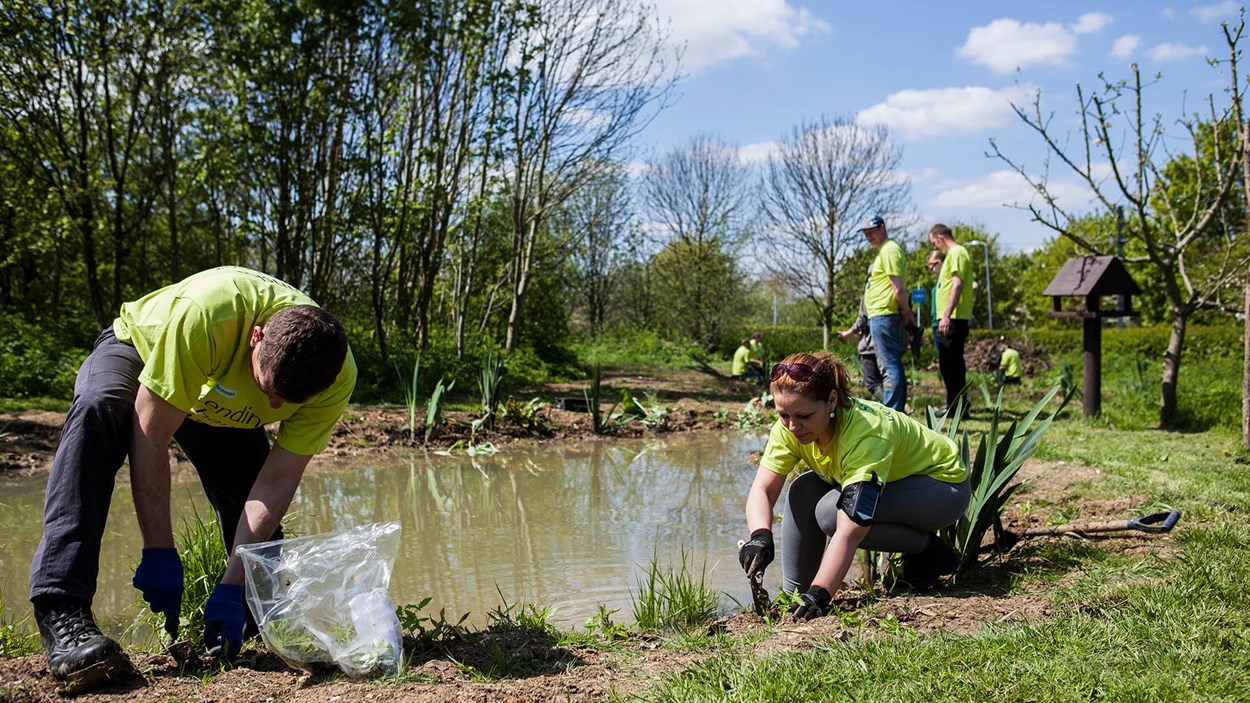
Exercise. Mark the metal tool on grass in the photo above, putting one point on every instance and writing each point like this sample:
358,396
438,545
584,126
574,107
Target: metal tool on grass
1155,523
760,602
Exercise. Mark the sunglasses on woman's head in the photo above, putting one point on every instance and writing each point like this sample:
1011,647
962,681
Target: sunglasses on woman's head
798,371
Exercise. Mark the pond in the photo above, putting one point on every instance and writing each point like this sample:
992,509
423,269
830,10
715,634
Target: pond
567,526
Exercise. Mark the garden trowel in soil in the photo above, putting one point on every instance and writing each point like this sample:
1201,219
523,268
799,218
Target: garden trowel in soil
760,602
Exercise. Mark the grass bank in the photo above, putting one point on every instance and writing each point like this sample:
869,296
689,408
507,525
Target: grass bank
1124,625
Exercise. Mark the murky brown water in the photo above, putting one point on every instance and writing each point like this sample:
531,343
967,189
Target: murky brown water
570,527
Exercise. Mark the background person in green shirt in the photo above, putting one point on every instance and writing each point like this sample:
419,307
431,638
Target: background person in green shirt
743,365
889,311
1009,371
854,449
933,262
954,310
208,361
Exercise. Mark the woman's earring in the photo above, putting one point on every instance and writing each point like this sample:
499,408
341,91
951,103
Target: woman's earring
831,414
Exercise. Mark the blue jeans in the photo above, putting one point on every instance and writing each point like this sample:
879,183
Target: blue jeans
890,339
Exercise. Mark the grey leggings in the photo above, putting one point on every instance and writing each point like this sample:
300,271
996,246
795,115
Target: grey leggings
908,512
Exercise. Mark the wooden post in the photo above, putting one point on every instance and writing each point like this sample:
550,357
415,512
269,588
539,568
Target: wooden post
1093,357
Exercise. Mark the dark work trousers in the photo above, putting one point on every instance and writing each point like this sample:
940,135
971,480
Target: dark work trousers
951,360
95,442
872,374
909,510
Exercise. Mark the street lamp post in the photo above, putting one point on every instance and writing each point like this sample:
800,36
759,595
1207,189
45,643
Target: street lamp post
989,299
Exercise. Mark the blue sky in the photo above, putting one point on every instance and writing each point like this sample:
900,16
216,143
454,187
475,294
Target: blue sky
942,76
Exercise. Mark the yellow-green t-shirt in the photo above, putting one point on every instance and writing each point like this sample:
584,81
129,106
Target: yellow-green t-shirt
879,294
1010,363
757,350
957,263
195,341
740,361
869,437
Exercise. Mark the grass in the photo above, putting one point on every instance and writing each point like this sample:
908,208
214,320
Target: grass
16,638
203,559
1122,626
673,597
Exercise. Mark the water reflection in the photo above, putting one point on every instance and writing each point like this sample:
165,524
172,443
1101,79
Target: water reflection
565,526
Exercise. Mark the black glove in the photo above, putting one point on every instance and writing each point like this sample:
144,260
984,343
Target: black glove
757,553
813,604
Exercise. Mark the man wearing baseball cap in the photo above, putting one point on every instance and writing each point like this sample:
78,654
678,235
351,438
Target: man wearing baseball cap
889,311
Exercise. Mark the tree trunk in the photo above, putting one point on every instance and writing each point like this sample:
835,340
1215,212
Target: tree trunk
1172,370
1245,370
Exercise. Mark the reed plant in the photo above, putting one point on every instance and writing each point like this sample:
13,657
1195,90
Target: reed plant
410,398
671,598
999,456
434,409
490,383
594,397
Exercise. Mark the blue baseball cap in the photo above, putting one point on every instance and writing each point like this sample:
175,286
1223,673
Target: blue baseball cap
874,221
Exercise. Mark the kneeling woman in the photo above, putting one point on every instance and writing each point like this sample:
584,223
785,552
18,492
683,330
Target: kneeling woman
879,480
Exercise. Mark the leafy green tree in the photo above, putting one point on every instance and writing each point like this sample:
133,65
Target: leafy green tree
698,196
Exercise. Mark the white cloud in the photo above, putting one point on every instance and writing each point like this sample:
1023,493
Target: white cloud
1176,52
1125,46
716,31
758,152
929,113
1006,188
1217,12
1091,22
1006,44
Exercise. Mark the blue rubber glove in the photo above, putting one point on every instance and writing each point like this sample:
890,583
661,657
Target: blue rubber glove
159,579
223,620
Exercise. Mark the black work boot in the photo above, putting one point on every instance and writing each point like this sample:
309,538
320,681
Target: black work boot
78,653
922,570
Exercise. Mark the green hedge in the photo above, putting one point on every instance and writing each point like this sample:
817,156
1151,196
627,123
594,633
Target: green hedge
1201,342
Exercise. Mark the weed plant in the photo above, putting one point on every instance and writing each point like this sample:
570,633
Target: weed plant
671,598
15,641
427,631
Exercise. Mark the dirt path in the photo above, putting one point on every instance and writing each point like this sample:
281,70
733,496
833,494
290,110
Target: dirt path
580,672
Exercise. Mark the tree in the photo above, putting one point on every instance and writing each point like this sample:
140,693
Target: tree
698,196
824,180
603,214
588,73
76,87
1168,223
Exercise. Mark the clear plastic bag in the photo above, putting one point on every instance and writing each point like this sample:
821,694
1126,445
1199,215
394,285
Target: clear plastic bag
321,600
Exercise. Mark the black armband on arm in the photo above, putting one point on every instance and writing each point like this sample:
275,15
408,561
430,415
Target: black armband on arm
859,500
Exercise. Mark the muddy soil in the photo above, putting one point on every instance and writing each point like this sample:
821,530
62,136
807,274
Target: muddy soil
541,669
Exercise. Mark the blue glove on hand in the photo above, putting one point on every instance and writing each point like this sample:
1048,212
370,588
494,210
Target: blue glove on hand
159,578
223,620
